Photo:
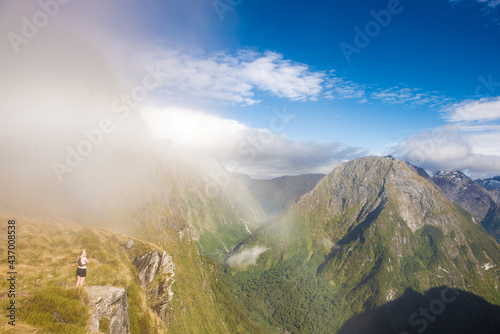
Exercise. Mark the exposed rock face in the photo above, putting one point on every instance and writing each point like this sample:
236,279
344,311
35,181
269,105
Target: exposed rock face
355,189
382,203
156,271
152,263
129,244
465,192
495,194
109,308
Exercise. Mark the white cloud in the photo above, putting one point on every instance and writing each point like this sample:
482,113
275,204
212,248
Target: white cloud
470,142
408,96
483,110
339,88
488,3
246,77
479,121
261,153
446,148
246,257
238,78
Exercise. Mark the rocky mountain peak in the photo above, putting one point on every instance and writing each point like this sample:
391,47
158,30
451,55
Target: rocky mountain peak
453,175
465,192
356,188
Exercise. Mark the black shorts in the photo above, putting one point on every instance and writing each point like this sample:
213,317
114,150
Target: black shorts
81,272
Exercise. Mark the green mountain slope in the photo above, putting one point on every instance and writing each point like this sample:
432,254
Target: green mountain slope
194,197
369,231
47,301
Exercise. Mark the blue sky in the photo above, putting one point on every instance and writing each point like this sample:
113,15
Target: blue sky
289,87
411,69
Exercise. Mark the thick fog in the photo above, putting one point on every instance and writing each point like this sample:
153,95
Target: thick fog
71,137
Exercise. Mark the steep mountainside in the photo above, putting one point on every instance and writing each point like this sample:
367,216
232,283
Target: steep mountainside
492,223
277,195
158,194
132,286
467,193
196,197
368,232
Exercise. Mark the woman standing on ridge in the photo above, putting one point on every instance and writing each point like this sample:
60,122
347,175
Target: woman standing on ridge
81,272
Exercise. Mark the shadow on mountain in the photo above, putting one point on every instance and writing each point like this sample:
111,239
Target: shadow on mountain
439,310
355,233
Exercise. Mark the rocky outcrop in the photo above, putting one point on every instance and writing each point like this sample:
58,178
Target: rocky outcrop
156,272
151,264
109,310
130,243
460,189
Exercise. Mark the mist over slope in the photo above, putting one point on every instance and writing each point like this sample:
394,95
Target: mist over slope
164,286
75,149
278,194
77,146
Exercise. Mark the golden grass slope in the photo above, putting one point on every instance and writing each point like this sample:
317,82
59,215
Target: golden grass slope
46,298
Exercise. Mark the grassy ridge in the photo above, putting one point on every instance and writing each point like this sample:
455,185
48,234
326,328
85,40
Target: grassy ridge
46,298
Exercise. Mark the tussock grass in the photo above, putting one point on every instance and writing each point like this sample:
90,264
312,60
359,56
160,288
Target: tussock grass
57,310
46,262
